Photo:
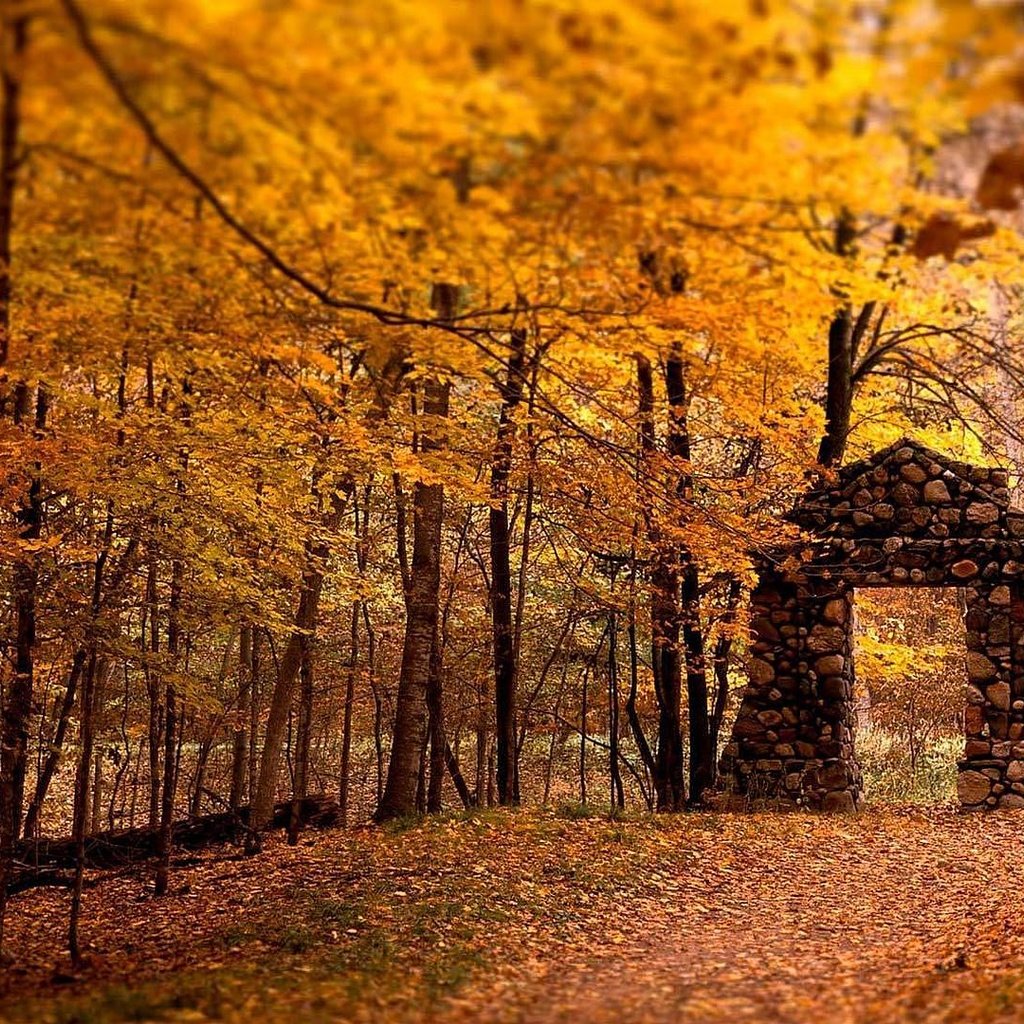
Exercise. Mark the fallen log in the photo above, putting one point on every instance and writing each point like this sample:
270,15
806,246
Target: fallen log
39,862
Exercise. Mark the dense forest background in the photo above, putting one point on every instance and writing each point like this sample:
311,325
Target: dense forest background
397,397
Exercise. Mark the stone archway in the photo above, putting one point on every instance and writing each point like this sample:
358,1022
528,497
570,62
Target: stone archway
906,516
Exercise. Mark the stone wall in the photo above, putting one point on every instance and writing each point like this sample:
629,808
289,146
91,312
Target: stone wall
992,769
793,739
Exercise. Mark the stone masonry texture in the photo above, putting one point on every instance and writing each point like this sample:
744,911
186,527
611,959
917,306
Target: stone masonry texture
906,516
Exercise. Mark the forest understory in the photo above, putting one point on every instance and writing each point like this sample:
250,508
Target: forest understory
896,914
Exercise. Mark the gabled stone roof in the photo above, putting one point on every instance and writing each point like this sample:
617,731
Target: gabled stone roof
908,490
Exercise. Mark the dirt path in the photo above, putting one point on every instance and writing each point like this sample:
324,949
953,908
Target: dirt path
534,919
886,919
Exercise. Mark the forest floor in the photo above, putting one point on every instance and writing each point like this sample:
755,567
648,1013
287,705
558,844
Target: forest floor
544,916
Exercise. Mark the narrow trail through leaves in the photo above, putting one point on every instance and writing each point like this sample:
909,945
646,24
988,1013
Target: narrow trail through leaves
539,918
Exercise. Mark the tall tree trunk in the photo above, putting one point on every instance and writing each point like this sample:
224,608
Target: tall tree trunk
103,671
502,625
423,584
839,389
303,729
81,807
839,385
482,736
17,707
679,448
49,767
240,736
407,744
287,676
96,800
632,716
344,783
255,702
665,621
80,817
584,712
172,725
155,721
435,724
723,649
701,750
617,799
361,519
378,700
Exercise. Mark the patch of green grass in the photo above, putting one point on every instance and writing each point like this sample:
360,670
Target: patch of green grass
396,826
236,935
209,993
576,812
890,776
364,965
487,913
337,914
619,836
451,970
480,819
310,925
425,919
296,938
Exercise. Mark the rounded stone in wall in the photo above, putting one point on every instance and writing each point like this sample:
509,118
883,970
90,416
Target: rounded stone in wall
999,695
746,726
964,569
834,688
921,516
835,611
913,473
979,668
830,665
982,513
937,493
841,802
973,787
974,720
826,639
835,775
905,495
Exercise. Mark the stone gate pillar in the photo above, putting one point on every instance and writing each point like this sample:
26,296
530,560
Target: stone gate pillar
793,737
992,771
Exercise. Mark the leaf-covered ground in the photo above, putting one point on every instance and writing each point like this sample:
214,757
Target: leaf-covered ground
543,916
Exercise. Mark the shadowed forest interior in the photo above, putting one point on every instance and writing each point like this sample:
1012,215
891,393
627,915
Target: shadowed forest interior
910,663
